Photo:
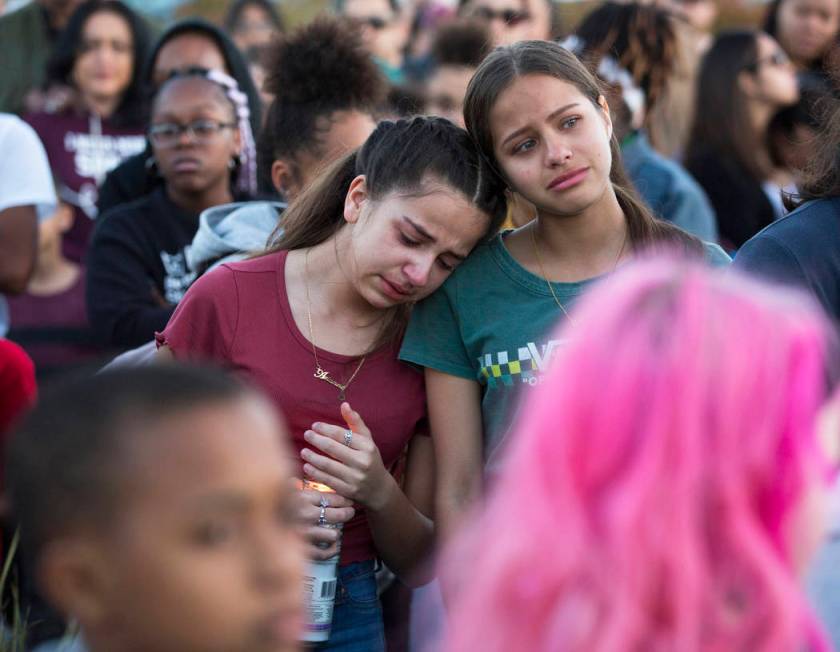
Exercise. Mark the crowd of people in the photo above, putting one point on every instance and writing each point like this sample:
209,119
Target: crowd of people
532,325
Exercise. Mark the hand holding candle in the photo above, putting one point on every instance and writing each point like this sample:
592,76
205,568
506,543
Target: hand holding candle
323,541
351,464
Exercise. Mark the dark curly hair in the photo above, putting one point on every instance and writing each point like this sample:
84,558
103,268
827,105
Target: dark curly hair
642,38
461,44
131,109
313,72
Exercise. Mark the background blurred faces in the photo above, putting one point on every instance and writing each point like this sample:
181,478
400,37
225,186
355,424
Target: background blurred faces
384,31
254,27
446,90
774,74
105,62
807,28
508,21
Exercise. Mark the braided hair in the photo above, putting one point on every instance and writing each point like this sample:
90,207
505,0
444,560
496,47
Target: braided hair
246,172
642,39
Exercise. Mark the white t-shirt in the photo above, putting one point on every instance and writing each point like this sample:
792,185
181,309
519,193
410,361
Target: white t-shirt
25,177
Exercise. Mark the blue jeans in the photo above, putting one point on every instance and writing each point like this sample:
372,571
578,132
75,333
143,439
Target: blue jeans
357,616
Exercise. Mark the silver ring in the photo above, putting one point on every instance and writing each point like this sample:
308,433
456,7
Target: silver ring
322,517
323,501
348,438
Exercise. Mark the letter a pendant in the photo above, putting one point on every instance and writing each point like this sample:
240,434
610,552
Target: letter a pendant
324,375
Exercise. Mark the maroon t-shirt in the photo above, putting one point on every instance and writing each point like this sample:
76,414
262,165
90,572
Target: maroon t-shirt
239,315
82,149
54,330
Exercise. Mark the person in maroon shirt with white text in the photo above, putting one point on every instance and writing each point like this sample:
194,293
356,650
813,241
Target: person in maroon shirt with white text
93,114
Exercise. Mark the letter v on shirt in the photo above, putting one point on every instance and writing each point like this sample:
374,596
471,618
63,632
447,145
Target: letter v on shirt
526,366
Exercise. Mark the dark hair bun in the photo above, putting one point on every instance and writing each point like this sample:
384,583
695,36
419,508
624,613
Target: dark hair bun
324,63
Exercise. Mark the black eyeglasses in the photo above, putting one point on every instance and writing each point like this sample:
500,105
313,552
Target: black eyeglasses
777,59
167,134
510,17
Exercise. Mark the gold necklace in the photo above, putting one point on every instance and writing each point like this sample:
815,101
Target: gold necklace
545,276
320,372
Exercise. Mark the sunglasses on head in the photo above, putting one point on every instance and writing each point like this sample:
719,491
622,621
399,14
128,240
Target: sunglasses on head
510,17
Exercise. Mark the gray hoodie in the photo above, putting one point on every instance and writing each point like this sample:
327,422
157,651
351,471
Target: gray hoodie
232,232
225,234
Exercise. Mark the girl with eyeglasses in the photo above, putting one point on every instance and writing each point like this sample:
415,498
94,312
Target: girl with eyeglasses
204,153
744,80
188,43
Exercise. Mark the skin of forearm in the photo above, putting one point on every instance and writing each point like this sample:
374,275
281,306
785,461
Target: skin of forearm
454,500
403,535
18,247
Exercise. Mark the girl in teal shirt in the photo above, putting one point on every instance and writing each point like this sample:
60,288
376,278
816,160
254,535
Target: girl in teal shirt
541,121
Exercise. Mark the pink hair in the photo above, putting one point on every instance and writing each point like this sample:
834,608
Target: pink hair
647,491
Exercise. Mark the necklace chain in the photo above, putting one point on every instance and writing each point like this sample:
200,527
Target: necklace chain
320,372
545,276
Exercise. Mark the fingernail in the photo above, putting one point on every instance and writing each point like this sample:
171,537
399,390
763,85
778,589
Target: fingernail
308,435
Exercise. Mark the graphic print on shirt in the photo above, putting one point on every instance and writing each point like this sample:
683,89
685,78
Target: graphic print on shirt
94,155
526,366
177,275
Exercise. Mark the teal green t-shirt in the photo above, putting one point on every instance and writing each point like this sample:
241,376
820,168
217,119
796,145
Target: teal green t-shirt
494,322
